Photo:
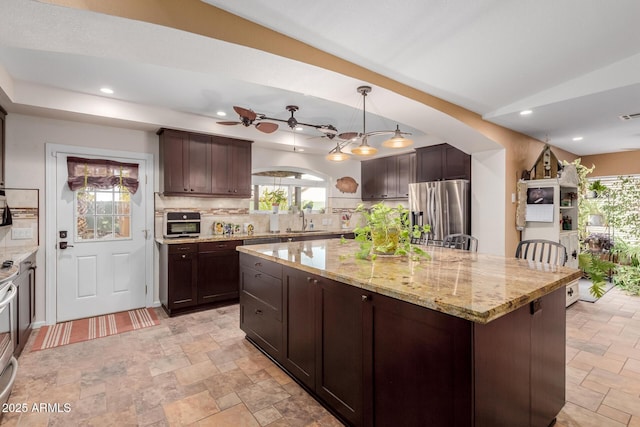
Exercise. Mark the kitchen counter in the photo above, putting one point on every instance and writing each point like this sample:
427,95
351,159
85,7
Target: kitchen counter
468,285
460,339
254,236
16,255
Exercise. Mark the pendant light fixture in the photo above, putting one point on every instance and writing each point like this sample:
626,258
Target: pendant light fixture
336,155
364,149
398,140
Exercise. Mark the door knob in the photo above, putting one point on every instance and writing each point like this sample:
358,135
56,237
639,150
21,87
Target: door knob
65,245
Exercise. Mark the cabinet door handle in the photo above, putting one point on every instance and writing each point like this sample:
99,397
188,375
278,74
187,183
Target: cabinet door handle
570,292
257,264
184,256
365,298
222,246
258,311
258,275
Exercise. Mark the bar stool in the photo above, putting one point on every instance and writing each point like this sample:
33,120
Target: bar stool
461,241
545,251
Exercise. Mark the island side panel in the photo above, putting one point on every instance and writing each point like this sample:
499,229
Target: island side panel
420,364
548,358
519,365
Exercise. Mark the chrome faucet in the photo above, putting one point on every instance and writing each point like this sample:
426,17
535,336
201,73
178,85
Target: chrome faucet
304,221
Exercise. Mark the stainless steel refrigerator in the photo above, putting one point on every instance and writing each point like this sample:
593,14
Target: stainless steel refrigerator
444,205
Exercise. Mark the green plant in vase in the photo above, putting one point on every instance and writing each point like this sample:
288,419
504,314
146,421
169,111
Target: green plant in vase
274,197
387,231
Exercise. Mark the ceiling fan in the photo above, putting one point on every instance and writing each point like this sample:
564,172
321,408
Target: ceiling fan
248,117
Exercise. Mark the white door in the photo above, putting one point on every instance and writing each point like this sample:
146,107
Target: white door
102,269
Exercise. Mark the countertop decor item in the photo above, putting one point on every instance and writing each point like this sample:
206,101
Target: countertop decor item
387,231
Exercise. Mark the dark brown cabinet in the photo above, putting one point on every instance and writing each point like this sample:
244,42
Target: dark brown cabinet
441,162
187,162
25,302
419,364
178,276
387,177
378,361
261,303
205,165
217,271
231,171
195,275
339,347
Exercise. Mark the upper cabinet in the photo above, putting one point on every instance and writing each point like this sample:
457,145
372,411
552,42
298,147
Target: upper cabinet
3,115
387,177
205,165
441,162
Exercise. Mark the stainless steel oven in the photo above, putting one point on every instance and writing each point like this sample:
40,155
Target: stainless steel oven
8,363
182,224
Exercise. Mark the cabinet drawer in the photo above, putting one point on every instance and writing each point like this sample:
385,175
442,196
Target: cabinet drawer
219,246
261,322
183,248
263,287
573,293
262,266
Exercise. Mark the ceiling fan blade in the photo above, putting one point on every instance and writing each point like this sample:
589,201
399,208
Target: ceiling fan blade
228,123
245,113
266,127
348,135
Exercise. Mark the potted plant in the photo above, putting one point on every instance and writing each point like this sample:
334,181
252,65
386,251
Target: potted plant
307,206
387,231
274,197
597,188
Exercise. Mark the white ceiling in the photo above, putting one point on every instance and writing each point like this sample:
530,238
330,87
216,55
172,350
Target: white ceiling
575,63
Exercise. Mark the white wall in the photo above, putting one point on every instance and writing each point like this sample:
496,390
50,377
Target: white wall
25,163
488,200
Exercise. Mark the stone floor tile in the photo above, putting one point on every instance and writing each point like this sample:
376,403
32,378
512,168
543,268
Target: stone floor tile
573,415
227,401
196,373
614,414
190,409
267,415
584,397
236,416
625,402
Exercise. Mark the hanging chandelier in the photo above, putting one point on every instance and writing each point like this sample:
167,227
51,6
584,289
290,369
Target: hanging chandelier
364,149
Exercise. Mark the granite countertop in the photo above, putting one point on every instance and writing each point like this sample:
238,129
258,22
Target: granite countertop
17,255
244,236
469,285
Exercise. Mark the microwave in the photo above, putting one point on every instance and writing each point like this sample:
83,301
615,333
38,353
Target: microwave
182,224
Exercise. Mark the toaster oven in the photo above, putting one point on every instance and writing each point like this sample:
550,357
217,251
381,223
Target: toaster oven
182,224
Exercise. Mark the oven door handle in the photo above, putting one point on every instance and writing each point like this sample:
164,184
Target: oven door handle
4,394
10,295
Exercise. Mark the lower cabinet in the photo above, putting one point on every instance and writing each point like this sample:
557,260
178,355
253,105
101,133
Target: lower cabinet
217,271
322,344
193,275
25,302
378,361
261,303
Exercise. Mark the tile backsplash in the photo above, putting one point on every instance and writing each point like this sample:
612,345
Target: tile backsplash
236,211
24,207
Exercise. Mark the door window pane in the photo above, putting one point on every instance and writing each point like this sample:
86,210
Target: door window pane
103,214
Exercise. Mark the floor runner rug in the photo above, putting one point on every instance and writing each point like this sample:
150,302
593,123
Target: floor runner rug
93,327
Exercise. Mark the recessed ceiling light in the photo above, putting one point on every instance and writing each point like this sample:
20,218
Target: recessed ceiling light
106,90
578,138
525,112
298,128
221,113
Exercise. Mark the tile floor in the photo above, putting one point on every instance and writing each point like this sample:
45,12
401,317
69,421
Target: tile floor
198,370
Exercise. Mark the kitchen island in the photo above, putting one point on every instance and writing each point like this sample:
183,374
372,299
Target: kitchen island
459,339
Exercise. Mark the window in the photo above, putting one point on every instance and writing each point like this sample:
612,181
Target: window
102,197
298,188
103,214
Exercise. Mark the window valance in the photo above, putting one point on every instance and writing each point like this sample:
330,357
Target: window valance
102,174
